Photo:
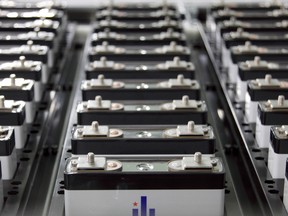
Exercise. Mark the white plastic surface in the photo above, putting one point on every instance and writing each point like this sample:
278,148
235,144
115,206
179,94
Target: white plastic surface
1,194
285,194
165,202
250,109
30,109
225,56
276,163
241,89
38,91
8,165
20,136
232,71
262,135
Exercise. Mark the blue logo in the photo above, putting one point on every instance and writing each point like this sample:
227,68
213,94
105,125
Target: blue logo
143,208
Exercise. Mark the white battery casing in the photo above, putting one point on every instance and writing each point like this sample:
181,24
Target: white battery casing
20,136
8,165
164,202
285,194
30,109
241,89
38,91
262,134
1,194
232,71
225,56
276,163
250,109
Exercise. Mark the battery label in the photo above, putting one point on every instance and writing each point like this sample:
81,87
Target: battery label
145,202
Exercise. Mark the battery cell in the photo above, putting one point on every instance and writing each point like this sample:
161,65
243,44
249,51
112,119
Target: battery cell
116,53
124,182
166,139
7,153
26,69
136,16
13,88
115,38
133,70
271,112
121,27
12,113
278,151
140,89
141,112
263,90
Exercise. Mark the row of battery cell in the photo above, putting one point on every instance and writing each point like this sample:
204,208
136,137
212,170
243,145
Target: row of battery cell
253,41
140,98
30,35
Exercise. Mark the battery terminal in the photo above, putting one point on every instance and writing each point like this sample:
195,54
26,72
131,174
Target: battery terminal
42,23
31,48
248,48
169,34
257,63
91,162
196,162
189,130
96,130
228,12
173,47
267,82
103,64
176,64
4,132
283,23
167,22
101,83
180,82
240,33
108,22
279,104
99,104
233,22
105,48
107,34
278,12
14,83
162,12
8,105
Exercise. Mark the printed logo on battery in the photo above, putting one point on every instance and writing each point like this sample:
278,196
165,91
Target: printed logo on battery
143,208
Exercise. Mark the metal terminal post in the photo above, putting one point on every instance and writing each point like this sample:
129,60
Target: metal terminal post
2,101
176,64
189,130
278,104
191,126
281,100
93,130
257,63
248,48
268,78
13,79
267,82
22,60
30,44
91,158
198,157
101,77
74,164
197,162
180,78
3,132
98,100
